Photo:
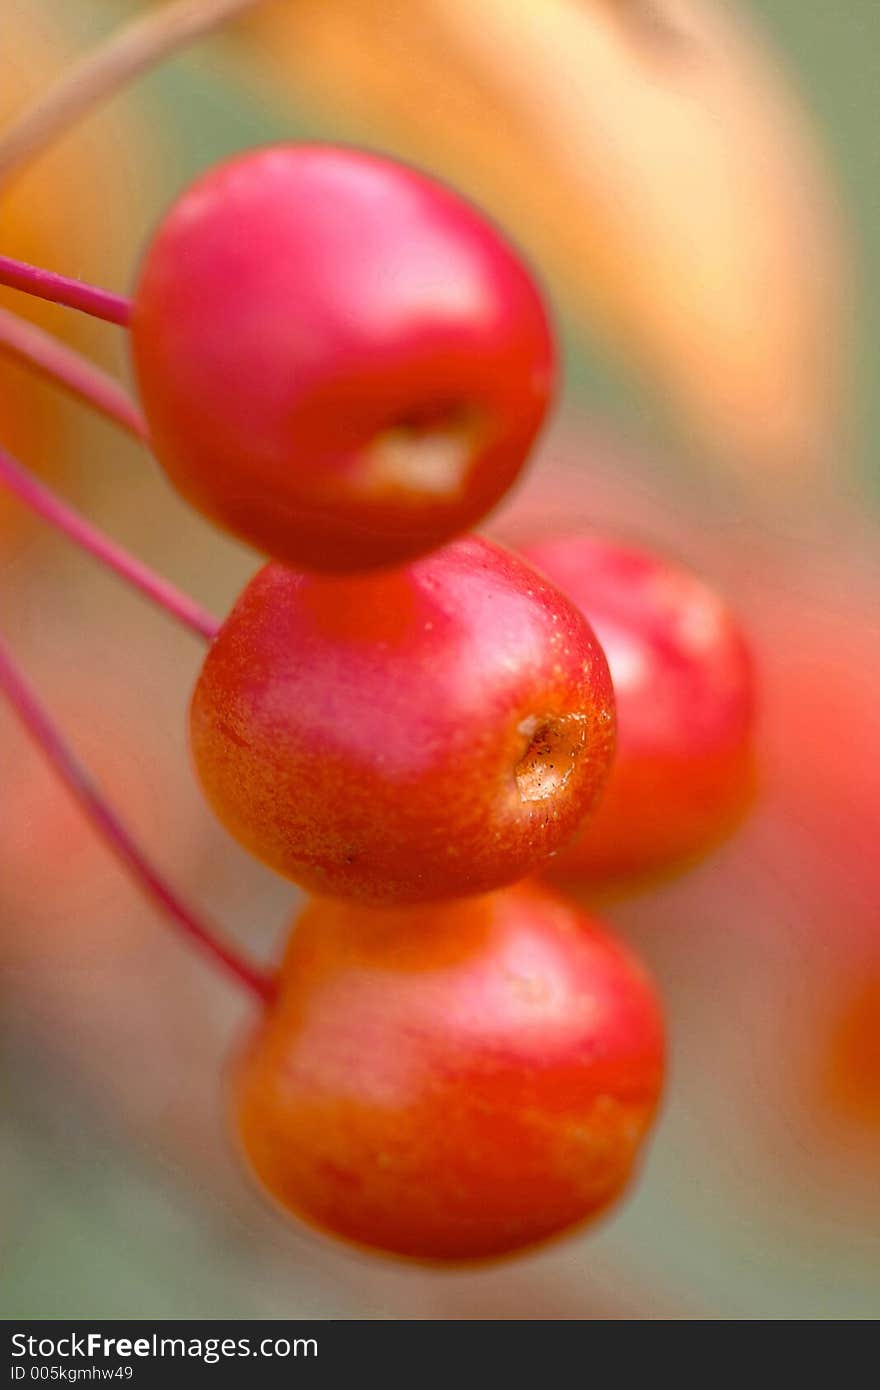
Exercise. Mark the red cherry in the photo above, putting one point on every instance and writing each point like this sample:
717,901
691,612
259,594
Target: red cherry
683,774
414,734
340,360
451,1082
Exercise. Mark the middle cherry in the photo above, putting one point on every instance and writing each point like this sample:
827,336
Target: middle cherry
424,733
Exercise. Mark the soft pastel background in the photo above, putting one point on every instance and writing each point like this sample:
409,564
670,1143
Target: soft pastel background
120,1195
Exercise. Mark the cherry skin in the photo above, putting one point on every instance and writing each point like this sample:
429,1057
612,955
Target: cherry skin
407,735
453,1081
340,360
683,772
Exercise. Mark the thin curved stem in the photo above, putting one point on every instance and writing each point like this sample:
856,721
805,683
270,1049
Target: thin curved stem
49,739
57,362
131,50
61,289
43,501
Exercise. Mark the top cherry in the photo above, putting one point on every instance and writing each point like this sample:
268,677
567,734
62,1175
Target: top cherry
341,361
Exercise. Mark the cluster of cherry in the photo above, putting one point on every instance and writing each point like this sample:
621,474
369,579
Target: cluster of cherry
344,365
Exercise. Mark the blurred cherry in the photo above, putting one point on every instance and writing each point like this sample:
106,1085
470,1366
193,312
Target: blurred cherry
682,675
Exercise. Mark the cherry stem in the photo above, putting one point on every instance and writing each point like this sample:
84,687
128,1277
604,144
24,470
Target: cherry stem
44,502
60,289
49,739
131,50
30,345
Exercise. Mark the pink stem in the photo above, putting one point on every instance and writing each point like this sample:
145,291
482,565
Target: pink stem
45,284
48,738
58,363
44,502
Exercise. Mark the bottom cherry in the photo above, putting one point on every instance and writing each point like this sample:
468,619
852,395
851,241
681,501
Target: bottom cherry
451,1082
